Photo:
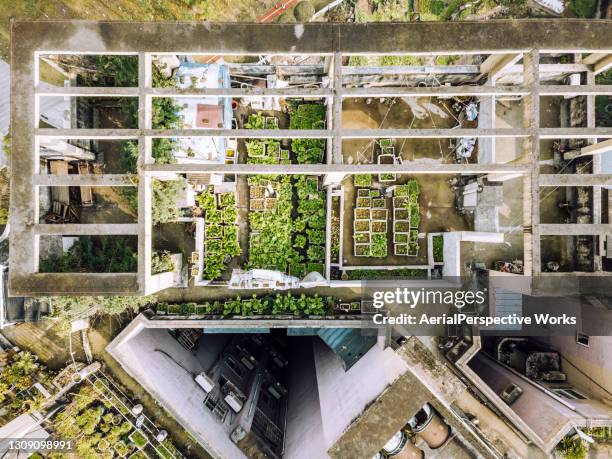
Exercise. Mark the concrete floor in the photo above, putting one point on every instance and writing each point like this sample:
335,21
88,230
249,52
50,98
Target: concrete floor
550,111
510,223
359,114
437,204
108,208
508,114
550,199
242,205
174,238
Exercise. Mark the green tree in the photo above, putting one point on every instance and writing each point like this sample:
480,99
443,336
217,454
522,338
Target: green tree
165,195
304,11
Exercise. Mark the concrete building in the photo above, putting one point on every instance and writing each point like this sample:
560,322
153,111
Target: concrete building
322,401
526,379
393,386
516,76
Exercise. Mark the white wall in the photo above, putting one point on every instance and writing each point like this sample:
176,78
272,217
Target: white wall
304,436
173,385
344,395
590,368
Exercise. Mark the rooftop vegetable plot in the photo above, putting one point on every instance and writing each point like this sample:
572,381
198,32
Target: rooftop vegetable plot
265,151
220,232
287,224
308,116
406,219
371,217
273,151
370,221
101,423
17,392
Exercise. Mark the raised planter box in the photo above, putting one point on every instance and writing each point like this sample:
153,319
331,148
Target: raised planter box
361,226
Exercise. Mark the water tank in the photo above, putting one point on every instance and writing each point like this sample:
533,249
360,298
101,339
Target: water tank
395,444
430,427
233,401
205,382
400,447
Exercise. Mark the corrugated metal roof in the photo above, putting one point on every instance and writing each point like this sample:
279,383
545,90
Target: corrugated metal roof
5,97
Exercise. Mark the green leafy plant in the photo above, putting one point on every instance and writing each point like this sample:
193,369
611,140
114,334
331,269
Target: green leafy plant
362,180
438,248
316,253
221,242
308,116
162,262
363,274
379,245
165,195
256,121
572,448
300,241
95,254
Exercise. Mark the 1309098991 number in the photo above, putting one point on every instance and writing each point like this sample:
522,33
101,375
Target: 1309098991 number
40,445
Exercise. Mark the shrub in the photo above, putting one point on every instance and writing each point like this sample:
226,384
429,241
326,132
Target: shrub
129,156
361,274
583,8
165,195
572,448
95,254
161,262
438,248
304,11
163,151
287,17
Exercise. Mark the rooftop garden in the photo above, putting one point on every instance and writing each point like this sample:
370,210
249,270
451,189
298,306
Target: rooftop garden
221,231
274,151
95,254
279,304
308,116
265,151
370,222
18,394
287,234
406,219
102,421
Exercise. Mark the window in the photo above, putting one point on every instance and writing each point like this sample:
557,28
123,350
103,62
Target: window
582,339
216,406
568,393
235,366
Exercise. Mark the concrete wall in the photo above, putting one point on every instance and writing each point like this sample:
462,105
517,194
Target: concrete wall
172,383
589,369
344,395
304,436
